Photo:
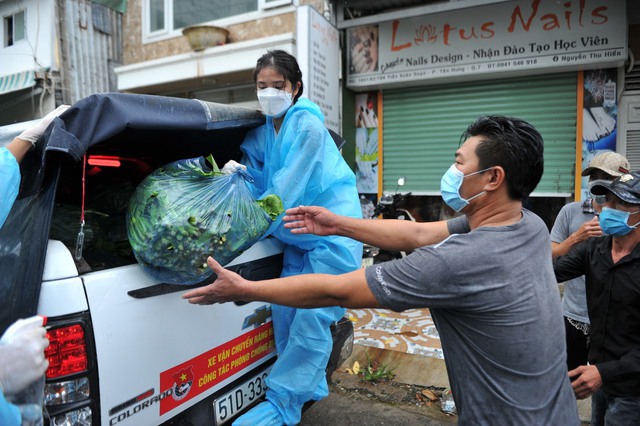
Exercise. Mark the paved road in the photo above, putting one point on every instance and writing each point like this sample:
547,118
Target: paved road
352,401
345,409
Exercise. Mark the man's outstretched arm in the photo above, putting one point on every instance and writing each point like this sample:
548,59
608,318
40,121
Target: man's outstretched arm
348,290
388,234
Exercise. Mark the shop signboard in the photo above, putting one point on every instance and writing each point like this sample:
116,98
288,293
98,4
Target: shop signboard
516,37
318,54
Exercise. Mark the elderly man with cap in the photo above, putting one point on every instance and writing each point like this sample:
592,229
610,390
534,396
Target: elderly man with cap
574,224
611,265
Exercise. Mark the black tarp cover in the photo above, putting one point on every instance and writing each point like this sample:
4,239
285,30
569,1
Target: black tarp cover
97,119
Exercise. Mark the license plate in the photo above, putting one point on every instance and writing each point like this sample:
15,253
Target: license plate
367,261
234,401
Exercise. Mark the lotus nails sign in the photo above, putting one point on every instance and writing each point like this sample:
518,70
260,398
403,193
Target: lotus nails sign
526,36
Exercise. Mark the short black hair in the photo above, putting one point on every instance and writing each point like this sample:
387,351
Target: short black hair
513,144
285,63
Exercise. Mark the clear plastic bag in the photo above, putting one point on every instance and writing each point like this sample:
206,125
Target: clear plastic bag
186,211
447,403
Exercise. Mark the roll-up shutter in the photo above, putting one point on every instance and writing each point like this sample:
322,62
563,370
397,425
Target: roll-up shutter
423,125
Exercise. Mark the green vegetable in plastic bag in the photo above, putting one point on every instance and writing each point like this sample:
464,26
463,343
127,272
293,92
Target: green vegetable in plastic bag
186,211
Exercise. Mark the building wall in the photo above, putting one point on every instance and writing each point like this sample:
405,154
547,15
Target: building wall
136,51
73,47
36,51
90,48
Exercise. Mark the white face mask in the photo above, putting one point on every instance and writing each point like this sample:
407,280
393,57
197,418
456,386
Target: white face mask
274,102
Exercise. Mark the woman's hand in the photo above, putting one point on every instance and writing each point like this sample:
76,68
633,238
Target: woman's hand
34,133
22,360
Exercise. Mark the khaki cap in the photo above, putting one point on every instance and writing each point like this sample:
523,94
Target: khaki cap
609,162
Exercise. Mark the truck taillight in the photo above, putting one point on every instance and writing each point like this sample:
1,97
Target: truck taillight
67,391
67,351
80,417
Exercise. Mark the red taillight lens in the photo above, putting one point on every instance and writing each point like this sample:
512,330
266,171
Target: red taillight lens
67,351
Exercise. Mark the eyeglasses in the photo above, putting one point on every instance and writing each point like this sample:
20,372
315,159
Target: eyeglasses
601,199
610,198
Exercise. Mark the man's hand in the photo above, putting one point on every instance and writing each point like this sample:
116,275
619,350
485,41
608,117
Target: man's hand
587,230
33,134
310,220
228,287
586,380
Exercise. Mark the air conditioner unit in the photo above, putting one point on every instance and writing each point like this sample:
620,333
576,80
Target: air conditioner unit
629,117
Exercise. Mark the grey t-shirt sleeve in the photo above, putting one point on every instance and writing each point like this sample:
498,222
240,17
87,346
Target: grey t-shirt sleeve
416,281
458,225
420,279
560,230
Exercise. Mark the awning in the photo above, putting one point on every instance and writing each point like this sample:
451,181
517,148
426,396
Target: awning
14,82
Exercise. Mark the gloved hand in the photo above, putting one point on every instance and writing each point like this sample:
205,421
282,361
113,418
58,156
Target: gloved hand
22,360
232,166
33,134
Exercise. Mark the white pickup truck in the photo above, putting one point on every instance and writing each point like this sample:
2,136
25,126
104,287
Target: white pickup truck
126,349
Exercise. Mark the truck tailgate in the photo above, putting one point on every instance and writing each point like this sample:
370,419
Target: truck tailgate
159,353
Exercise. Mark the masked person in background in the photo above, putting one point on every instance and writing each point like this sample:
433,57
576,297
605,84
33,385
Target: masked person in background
22,360
294,157
611,266
576,223
488,281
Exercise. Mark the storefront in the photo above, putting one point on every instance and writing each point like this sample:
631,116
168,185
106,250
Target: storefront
418,81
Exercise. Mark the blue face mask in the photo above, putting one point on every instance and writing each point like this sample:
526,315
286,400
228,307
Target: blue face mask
614,222
450,187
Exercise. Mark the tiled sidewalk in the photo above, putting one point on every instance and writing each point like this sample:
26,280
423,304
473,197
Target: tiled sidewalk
410,331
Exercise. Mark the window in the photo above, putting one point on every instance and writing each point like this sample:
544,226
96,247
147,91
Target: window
156,15
14,29
193,12
268,4
166,16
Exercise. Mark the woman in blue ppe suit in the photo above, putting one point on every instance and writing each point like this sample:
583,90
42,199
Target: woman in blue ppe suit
22,360
294,157
12,155
10,158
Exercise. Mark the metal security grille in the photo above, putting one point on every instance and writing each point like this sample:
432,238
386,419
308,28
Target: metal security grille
629,119
423,125
633,149
632,79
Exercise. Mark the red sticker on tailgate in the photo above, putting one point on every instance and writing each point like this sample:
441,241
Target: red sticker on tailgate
195,376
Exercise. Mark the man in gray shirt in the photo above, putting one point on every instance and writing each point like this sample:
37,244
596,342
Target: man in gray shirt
488,281
576,223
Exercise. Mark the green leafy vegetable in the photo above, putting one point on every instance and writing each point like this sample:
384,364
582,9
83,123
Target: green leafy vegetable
186,211
272,204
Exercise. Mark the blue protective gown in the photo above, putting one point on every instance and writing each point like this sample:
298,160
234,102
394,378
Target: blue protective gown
9,182
302,165
9,413
9,185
